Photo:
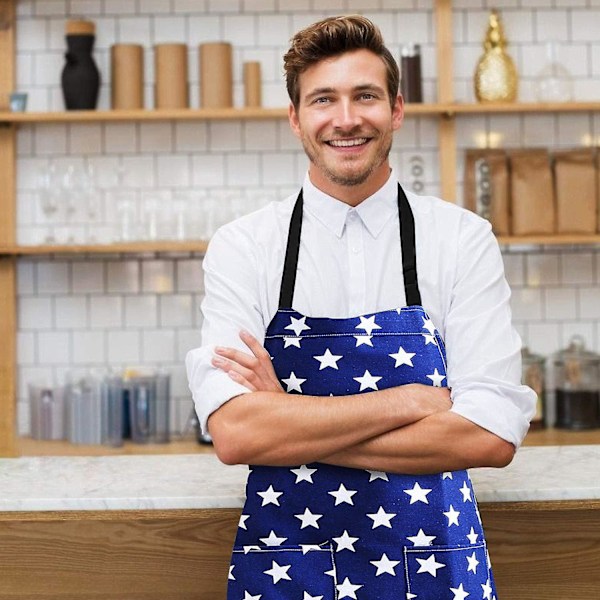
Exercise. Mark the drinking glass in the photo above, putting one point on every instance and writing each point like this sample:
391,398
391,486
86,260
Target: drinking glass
75,183
93,203
181,211
49,194
127,216
154,205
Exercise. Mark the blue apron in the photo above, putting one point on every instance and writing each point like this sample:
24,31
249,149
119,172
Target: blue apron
322,532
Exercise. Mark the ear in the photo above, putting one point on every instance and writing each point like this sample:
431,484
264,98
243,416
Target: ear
294,120
397,112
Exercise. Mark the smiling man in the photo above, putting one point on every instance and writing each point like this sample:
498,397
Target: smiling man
324,364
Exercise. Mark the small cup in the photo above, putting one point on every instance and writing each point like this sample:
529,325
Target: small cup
18,101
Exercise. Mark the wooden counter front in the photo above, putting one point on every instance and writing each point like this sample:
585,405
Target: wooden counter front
539,551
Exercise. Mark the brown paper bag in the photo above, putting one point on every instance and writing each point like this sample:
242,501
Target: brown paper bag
486,189
531,192
575,189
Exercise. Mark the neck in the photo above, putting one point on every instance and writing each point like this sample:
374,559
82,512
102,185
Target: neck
352,195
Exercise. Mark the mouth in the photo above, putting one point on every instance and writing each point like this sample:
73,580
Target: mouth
348,142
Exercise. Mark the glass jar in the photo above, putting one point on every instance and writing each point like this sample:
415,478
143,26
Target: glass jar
553,83
534,376
577,380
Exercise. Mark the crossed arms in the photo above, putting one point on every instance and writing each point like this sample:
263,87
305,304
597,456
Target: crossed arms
406,429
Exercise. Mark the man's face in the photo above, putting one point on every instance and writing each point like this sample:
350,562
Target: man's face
345,120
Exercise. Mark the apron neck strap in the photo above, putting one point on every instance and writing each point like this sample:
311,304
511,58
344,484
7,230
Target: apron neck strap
409,250
407,243
290,266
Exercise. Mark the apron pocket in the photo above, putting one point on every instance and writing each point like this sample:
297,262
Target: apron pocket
440,572
282,572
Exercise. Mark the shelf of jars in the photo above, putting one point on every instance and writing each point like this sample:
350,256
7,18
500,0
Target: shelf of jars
162,247
224,114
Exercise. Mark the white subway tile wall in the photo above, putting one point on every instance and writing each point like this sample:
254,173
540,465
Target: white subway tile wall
114,312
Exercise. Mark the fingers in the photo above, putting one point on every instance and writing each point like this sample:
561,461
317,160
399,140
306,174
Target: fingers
255,346
236,372
237,377
241,358
255,371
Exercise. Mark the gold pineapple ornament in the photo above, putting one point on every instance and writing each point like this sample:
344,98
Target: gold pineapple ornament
496,78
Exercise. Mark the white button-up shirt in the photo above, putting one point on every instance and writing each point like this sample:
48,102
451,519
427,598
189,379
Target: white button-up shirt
350,264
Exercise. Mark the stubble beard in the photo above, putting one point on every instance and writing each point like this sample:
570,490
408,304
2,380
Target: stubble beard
352,178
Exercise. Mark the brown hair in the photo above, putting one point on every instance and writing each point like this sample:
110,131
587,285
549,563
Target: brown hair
333,36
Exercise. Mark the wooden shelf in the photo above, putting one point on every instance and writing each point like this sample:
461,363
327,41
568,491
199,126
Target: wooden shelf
241,114
562,437
550,240
121,248
29,447
200,246
188,114
521,107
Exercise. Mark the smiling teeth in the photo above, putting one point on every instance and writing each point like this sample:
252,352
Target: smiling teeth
347,143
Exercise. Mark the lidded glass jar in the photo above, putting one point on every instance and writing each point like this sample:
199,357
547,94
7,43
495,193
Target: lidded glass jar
577,382
534,376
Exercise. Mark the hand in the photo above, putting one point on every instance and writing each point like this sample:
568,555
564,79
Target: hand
430,398
254,371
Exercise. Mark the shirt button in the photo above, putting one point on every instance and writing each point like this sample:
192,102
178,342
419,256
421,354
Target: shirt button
355,249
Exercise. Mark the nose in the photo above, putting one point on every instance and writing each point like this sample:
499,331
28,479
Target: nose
347,116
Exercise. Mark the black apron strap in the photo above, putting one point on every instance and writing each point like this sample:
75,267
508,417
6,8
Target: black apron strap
407,242
290,266
409,251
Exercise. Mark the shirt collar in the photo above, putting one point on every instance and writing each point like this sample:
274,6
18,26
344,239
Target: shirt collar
374,211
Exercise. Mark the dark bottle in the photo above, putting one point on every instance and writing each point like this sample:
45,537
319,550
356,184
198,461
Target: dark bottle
80,76
411,85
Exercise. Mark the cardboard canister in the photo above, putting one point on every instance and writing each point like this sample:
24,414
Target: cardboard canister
171,72
252,84
216,75
575,182
127,72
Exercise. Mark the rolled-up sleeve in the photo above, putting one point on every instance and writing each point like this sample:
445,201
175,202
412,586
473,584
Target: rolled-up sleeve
484,350
230,304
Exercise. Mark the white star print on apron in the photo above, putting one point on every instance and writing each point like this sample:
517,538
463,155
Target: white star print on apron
322,532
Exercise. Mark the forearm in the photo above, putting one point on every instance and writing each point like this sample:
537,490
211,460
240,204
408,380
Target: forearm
283,429
440,442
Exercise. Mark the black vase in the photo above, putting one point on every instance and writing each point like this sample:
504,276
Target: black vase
80,76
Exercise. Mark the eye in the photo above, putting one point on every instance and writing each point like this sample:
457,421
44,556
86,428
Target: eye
321,100
367,96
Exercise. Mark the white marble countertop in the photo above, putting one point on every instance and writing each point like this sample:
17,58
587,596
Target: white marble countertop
201,481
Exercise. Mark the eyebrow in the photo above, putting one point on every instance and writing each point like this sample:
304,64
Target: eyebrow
358,88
